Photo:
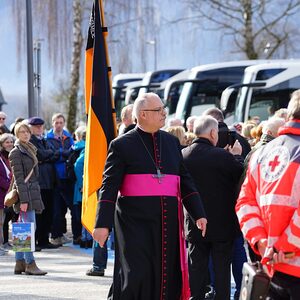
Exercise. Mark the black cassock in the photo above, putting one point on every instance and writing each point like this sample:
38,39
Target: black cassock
147,255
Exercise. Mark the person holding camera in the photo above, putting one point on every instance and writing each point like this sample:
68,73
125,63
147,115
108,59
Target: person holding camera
216,173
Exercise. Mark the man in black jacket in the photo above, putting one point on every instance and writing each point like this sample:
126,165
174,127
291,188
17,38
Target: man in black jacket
226,136
216,173
46,156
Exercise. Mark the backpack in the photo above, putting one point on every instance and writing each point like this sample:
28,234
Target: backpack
70,172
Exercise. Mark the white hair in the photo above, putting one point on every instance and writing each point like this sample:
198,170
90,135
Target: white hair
174,122
272,125
140,103
126,110
204,124
80,132
3,114
294,106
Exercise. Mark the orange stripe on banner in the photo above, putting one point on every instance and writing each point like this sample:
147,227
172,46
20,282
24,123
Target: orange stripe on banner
96,148
88,212
88,77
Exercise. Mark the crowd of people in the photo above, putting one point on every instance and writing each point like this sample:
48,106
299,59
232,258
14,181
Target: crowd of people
53,162
181,200
139,198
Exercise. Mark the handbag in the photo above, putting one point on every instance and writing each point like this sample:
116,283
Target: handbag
255,282
23,236
12,196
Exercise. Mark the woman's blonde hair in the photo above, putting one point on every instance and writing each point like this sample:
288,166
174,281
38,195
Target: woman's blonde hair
21,125
179,132
246,130
189,137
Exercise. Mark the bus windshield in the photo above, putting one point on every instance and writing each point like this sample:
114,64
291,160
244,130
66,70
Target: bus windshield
206,92
264,102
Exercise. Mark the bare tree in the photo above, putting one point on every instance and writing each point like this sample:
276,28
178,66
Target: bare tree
52,19
75,64
258,28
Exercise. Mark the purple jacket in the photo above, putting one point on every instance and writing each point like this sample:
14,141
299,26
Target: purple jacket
4,183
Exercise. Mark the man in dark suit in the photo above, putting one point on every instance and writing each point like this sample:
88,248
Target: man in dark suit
216,173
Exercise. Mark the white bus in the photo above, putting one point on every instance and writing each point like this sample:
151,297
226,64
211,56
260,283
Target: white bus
150,83
152,80
118,84
205,84
265,88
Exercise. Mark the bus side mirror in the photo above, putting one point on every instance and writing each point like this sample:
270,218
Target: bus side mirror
225,98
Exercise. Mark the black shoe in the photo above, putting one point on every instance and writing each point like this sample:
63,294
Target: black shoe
93,272
49,246
77,241
89,244
82,244
86,244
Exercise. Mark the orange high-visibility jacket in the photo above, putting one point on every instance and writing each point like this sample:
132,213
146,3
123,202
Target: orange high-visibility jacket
268,205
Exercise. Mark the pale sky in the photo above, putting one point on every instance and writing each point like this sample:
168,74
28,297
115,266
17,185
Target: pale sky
13,83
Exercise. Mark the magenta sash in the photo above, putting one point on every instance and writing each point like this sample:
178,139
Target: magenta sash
147,185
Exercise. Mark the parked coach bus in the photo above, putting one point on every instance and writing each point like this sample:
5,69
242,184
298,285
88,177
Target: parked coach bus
118,84
204,85
150,83
265,88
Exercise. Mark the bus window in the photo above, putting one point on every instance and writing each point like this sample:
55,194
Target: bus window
268,73
207,92
173,97
160,76
265,102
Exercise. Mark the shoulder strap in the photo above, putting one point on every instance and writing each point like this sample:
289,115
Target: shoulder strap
11,184
29,175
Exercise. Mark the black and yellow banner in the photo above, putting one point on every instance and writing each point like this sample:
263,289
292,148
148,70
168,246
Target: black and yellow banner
101,117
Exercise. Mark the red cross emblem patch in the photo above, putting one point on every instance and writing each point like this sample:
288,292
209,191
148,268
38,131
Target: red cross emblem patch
274,163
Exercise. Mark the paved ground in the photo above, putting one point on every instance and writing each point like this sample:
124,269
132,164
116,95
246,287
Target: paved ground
66,279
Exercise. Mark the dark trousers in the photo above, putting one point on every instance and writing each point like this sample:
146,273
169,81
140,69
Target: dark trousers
284,287
198,255
10,215
76,225
99,256
62,200
44,220
238,259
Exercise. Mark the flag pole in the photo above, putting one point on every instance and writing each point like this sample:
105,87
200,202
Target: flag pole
105,34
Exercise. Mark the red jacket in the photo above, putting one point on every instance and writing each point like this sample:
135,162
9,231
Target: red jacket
268,205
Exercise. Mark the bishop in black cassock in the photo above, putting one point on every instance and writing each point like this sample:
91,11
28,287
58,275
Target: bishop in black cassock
145,166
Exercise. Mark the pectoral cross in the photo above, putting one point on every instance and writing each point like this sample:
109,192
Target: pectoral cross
159,176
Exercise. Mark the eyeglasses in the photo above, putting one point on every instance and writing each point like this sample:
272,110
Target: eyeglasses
23,131
160,109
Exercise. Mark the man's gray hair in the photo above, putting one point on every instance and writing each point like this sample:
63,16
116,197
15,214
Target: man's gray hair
204,124
215,113
140,103
125,110
80,132
273,125
294,106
